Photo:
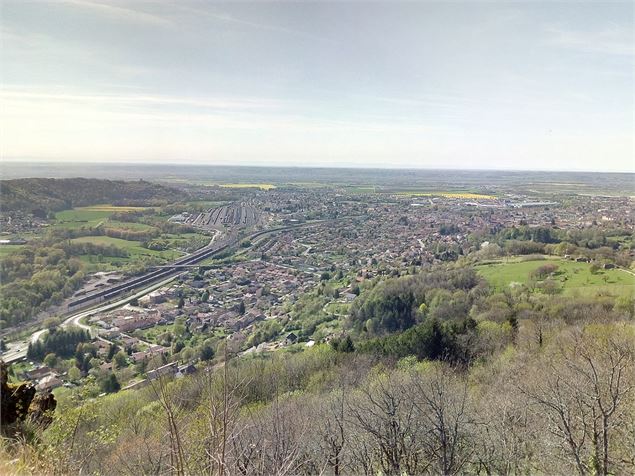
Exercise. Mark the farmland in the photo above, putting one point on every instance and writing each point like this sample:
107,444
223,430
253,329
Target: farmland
261,186
459,195
572,277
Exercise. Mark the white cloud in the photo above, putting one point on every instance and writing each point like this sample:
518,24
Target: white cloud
118,12
613,41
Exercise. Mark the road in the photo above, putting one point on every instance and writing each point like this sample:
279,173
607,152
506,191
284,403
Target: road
18,349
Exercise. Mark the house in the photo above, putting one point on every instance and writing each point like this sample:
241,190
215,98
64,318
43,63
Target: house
165,370
39,373
103,347
198,283
291,338
130,323
139,356
349,296
185,369
106,366
129,341
49,383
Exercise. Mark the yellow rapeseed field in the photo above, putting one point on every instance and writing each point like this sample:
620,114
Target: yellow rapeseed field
261,186
460,195
109,208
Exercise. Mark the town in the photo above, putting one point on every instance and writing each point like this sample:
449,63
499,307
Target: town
316,249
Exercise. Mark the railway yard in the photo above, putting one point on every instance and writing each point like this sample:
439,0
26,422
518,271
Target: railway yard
240,214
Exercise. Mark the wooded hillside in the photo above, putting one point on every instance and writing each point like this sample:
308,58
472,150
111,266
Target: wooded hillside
60,194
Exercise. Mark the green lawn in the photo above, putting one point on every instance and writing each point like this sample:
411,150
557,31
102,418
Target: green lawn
151,334
79,217
134,247
7,250
573,277
93,216
128,225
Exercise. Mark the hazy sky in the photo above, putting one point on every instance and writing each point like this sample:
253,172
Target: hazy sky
504,85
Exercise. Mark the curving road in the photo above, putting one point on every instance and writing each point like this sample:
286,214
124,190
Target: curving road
17,350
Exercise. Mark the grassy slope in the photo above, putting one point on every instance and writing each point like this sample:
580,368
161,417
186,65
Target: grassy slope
93,216
133,247
574,277
7,250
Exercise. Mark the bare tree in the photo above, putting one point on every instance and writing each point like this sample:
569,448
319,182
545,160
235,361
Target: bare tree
504,436
384,410
584,399
167,400
442,404
330,432
272,439
221,398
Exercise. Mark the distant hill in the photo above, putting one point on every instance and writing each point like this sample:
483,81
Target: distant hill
47,194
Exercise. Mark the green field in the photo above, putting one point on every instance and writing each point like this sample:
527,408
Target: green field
362,189
92,216
309,184
7,250
134,248
151,334
126,225
572,277
78,218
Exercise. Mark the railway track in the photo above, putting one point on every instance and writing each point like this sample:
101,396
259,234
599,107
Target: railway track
166,271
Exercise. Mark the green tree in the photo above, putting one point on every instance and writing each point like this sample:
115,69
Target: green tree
112,350
346,345
179,328
109,383
74,374
177,347
50,360
206,352
120,359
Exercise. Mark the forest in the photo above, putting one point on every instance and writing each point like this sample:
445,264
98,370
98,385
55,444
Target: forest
47,195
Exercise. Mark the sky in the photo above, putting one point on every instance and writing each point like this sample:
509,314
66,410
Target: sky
536,85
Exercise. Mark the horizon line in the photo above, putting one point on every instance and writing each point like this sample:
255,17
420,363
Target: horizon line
12,160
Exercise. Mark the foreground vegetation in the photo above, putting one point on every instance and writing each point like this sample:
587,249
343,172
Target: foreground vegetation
526,408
